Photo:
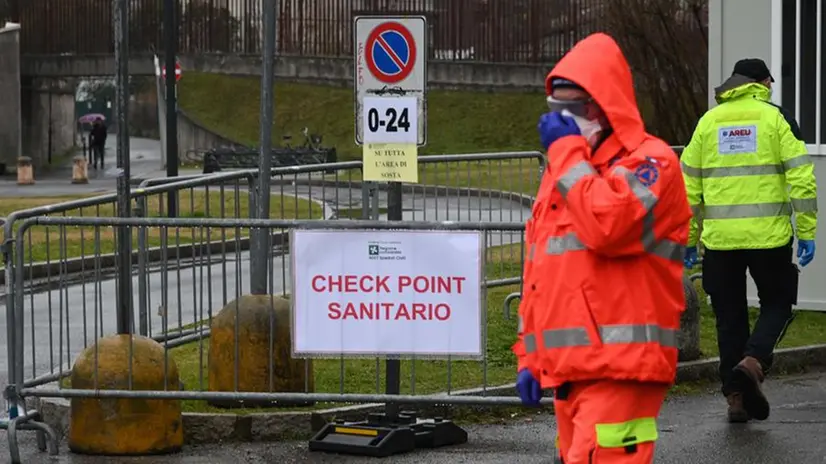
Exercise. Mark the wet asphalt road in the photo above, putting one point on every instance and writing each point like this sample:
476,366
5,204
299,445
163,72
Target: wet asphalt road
692,430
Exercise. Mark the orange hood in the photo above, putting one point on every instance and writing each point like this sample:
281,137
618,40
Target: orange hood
597,65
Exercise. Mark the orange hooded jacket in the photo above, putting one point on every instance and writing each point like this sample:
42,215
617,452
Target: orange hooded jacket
602,283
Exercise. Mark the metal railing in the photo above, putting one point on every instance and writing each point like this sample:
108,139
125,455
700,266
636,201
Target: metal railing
524,31
44,339
61,274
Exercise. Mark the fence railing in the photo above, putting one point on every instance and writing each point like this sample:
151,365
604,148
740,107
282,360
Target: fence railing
60,266
47,341
517,31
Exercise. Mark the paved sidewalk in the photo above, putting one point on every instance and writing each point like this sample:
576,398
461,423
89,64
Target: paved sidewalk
145,157
692,430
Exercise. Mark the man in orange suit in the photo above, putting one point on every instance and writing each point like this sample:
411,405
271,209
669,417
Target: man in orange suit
603,288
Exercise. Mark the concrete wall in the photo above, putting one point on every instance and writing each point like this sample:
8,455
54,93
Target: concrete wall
335,71
49,127
11,135
194,139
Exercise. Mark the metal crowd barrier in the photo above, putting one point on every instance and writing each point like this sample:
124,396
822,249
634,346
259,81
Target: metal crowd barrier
46,338
61,268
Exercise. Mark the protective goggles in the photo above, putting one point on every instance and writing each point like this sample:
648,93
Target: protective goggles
575,107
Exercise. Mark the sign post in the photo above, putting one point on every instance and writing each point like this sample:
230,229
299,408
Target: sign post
390,121
387,293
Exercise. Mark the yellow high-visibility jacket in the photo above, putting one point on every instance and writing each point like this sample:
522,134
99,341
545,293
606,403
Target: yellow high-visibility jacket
746,171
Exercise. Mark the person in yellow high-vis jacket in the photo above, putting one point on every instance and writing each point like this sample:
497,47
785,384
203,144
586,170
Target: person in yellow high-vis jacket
746,170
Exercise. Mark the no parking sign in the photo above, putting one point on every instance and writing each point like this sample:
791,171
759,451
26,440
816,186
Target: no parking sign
390,90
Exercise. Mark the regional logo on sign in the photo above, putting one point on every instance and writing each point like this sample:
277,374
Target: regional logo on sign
733,140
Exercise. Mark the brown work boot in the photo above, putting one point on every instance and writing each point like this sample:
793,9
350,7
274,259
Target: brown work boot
736,412
747,379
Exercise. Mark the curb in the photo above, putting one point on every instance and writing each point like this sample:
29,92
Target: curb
154,255
201,428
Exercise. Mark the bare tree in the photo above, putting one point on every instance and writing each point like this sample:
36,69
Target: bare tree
666,43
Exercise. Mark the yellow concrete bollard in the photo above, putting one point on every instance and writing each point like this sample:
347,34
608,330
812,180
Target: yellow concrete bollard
79,170
256,359
25,172
113,427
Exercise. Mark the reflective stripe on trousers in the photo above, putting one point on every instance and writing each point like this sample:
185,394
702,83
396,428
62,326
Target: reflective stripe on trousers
666,249
609,335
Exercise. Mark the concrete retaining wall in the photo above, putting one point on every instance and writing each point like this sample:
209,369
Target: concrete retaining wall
194,139
11,127
327,70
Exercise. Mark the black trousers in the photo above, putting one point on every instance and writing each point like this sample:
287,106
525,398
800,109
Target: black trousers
724,280
97,154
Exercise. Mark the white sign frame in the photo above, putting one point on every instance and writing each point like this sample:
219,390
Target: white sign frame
373,235
364,83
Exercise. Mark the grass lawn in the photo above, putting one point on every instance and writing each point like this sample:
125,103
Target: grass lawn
458,122
432,376
51,243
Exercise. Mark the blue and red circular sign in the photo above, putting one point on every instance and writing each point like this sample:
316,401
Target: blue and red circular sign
390,52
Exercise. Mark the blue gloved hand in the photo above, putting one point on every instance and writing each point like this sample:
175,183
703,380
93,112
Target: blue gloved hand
530,392
691,257
554,126
805,252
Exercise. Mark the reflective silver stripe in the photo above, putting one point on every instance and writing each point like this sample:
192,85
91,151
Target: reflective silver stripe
798,161
667,249
560,245
531,251
560,338
808,205
519,325
697,210
731,171
529,340
574,174
610,335
690,171
747,211
646,196
633,333
752,170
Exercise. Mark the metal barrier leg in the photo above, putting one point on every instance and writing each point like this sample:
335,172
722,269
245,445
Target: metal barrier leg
41,440
46,436
14,451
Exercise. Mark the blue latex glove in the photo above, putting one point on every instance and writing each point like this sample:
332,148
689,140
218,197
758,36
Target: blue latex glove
805,252
554,126
530,392
691,257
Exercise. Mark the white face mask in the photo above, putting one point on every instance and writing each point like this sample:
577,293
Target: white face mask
590,129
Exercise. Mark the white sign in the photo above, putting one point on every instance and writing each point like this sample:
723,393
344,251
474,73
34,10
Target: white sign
390,120
367,292
391,61
735,140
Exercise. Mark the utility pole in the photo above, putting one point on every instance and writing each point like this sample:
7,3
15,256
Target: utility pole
124,233
170,27
259,250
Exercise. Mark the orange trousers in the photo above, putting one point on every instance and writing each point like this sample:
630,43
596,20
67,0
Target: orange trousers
608,422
